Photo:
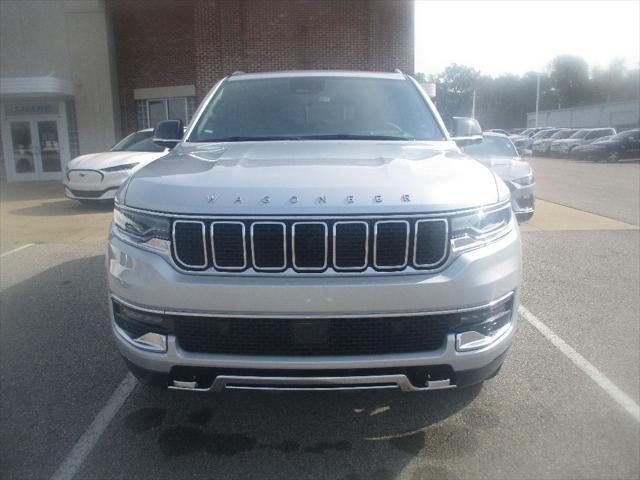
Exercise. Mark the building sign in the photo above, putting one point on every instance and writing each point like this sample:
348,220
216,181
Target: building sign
30,109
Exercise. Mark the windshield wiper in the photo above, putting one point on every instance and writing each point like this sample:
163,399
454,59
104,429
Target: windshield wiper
332,136
247,139
350,136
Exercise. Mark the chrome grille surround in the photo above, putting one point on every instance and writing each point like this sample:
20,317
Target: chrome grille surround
415,241
366,245
293,247
204,243
340,250
284,247
213,245
406,244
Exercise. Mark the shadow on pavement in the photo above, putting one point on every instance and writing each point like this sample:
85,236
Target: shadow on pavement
58,364
37,190
64,208
336,435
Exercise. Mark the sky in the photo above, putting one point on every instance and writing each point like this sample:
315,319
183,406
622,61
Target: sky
518,36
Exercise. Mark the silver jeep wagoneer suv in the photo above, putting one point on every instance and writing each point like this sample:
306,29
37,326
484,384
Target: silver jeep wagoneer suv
313,231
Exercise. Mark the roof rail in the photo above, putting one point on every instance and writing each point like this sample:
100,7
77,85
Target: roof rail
238,72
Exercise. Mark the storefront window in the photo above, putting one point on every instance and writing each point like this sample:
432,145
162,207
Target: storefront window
152,111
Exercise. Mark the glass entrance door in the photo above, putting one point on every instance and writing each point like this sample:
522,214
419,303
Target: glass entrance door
23,149
35,148
49,149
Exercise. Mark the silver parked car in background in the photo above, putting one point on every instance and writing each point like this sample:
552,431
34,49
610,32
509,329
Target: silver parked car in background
563,147
541,146
312,231
498,153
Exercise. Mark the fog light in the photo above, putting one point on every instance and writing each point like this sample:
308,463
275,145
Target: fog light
152,341
485,333
142,329
477,328
138,316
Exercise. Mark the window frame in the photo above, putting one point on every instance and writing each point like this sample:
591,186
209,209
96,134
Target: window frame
165,100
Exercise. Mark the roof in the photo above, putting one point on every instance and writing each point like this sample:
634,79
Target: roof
315,73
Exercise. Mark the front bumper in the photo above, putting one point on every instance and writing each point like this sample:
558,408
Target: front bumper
96,185
146,280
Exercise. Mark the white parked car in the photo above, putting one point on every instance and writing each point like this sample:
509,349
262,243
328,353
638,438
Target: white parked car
97,176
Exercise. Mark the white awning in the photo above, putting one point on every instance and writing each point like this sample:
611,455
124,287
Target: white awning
36,86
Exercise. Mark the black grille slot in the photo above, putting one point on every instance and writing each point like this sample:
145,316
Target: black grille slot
228,245
430,242
309,246
335,336
390,249
350,245
269,245
189,243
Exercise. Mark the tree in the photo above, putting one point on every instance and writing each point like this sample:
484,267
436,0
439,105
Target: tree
570,78
454,89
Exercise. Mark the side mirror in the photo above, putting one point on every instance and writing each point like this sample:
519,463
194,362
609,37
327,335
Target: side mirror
525,152
168,133
465,131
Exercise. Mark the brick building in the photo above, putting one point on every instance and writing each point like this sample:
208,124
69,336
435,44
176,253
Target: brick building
158,58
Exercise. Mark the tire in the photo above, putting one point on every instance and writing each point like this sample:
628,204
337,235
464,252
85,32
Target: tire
146,379
613,156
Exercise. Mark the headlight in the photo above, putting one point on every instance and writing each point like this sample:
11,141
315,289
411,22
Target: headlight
142,229
481,227
523,181
119,168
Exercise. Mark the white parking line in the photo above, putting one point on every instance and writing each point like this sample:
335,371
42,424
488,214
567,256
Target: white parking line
90,437
624,400
17,249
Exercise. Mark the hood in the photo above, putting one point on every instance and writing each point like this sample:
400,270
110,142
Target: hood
97,161
507,168
312,177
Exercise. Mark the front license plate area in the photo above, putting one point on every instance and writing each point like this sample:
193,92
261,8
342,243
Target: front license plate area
310,332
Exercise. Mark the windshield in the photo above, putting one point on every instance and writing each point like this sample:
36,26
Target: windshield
137,142
563,134
301,108
492,147
603,139
623,135
580,134
544,133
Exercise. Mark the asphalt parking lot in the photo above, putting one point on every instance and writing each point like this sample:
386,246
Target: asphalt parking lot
565,404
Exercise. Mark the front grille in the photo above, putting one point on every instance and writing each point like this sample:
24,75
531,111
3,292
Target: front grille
89,193
343,245
333,336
